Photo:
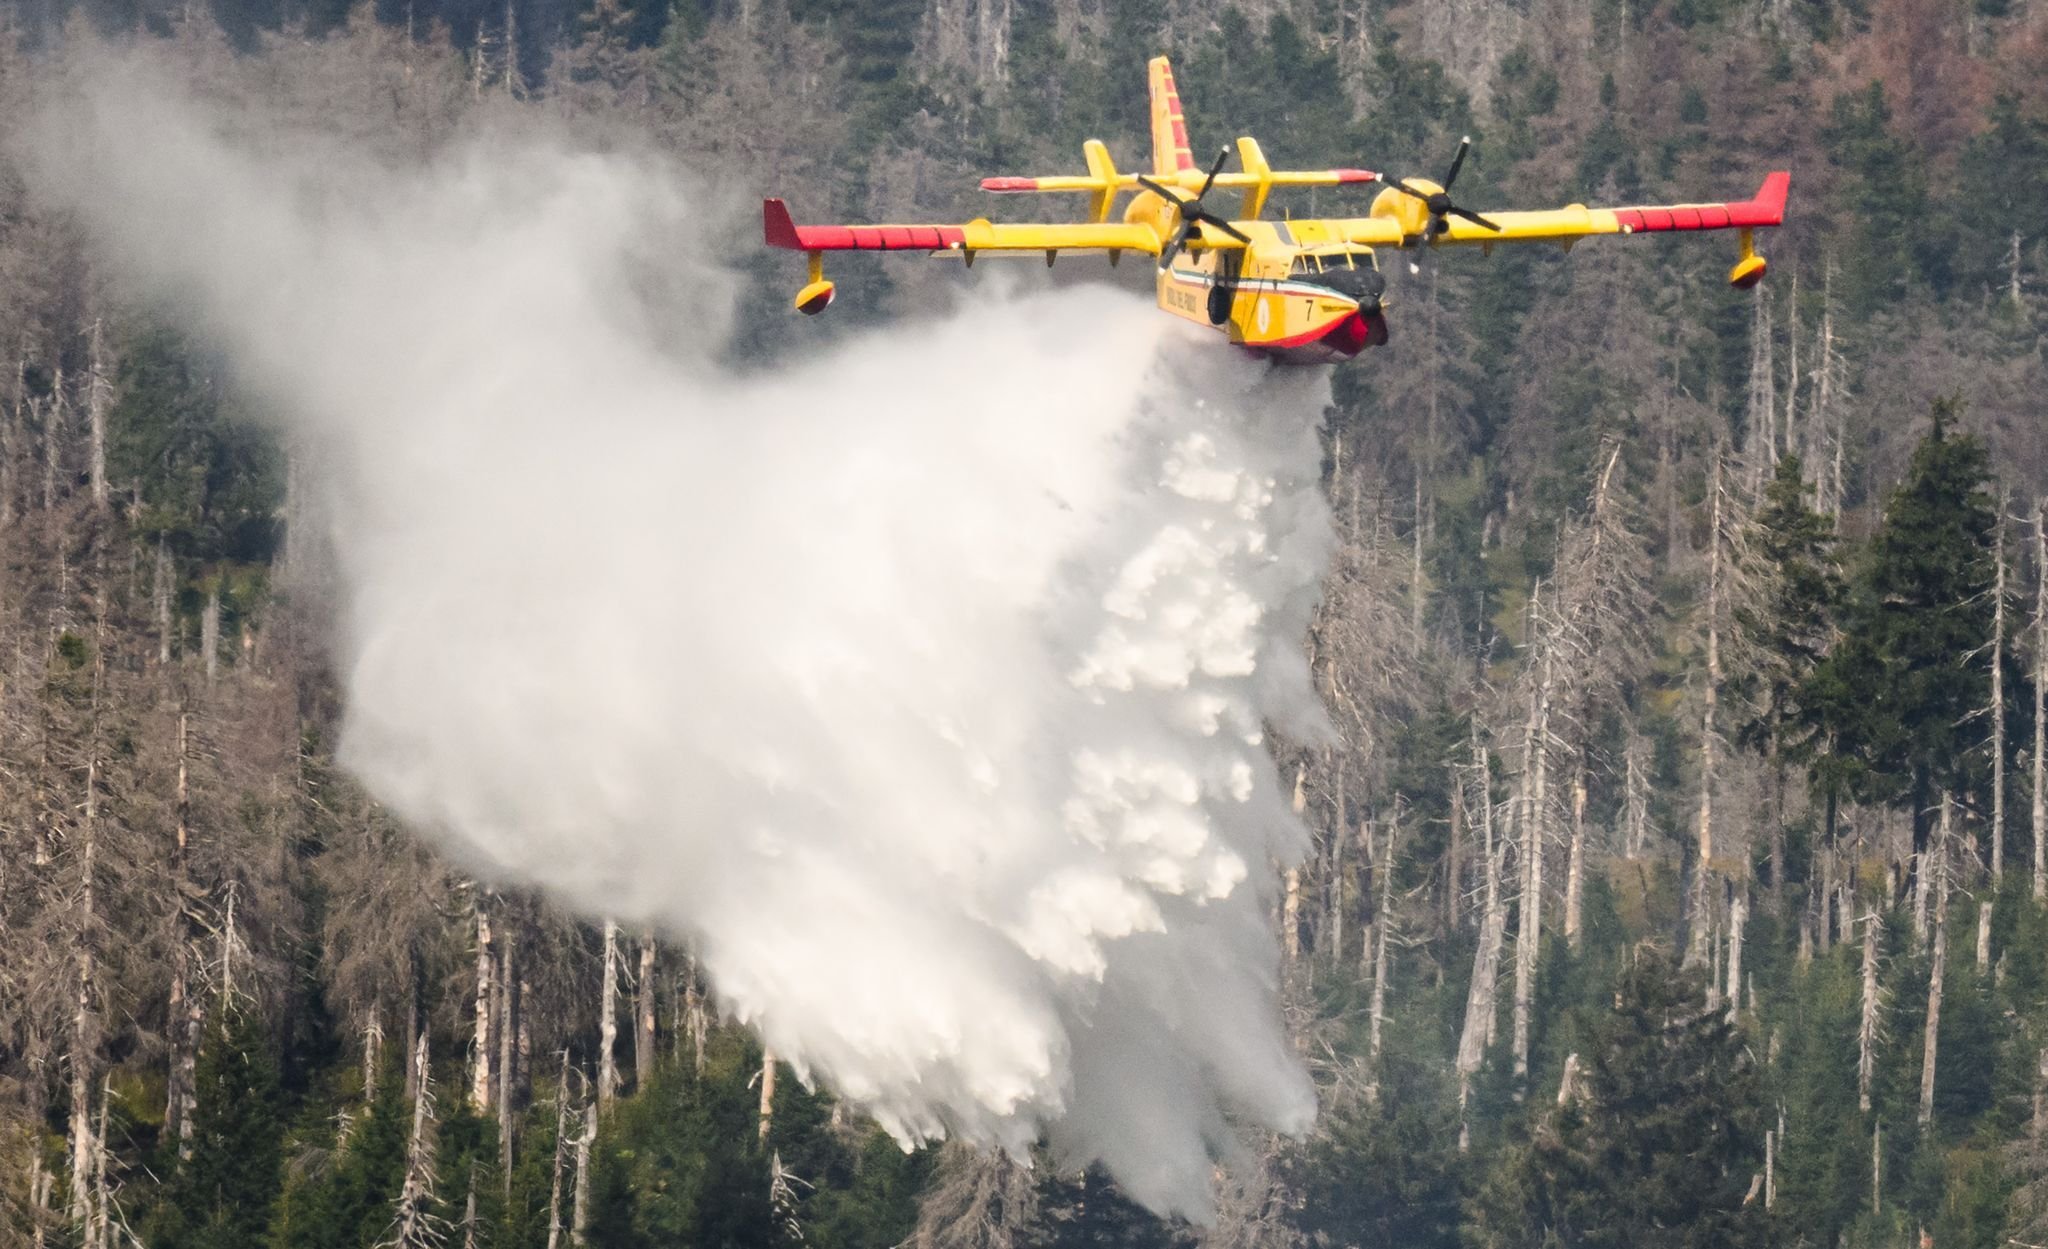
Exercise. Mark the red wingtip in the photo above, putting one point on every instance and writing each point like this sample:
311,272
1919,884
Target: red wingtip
776,226
1770,197
1009,184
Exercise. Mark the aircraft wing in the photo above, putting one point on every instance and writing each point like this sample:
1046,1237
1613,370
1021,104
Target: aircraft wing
1563,225
974,236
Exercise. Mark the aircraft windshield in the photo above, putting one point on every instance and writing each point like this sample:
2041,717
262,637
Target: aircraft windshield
1311,264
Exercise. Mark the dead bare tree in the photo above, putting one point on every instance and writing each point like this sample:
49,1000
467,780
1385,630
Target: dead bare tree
644,1014
1941,854
608,1019
978,1199
2040,774
480,1052
1480,1005
416,1225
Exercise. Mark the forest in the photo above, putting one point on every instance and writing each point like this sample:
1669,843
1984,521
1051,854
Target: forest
1680,868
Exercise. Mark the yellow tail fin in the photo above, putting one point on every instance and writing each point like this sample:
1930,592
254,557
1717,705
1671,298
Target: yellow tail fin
1170,152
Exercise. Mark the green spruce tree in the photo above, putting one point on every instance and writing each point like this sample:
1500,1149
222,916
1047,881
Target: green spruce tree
1914,673
221,1196
1655,1145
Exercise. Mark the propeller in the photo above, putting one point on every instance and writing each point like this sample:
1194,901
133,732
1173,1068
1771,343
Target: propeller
1439,202
1192,214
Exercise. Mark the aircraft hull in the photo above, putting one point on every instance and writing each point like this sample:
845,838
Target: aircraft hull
1286,321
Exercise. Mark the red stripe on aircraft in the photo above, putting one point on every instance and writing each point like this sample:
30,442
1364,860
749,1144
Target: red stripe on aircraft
1009,184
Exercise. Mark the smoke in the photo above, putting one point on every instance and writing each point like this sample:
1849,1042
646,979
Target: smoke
919,683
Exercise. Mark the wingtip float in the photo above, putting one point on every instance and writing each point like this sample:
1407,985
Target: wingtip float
1302,291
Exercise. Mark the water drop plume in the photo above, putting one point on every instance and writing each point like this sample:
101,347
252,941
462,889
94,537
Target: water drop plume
920,682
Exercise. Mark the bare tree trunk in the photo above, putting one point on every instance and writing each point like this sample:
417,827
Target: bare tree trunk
1635,797
1454,858
1984,936
1826,419
1759,440
1998,707
1770,1169
11,442
99,1233
700,1023
1696,948
53,439
767,1113
561,1155
1417,586
522,1049
1479,997
480,1071
643,1036
580,1220
184,1016
608,1019
1877,1167
84,1041
373,1053
37,1198
1795,442
99,401
1870,1023
417,1225
1714,965
1575,862
1528,942
1940,965
1738,915
1923,893
160,594
1333,889
228,946
1777,773
2040,795
509,1104
1384,923
209,629
1825,897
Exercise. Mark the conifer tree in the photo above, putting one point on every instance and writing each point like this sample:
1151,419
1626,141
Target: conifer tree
222,1194
1658,1145
1914,671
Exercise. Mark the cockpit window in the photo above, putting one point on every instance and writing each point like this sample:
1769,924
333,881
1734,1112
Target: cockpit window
1335,260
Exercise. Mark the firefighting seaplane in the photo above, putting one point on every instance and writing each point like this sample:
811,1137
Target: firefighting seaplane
1299,291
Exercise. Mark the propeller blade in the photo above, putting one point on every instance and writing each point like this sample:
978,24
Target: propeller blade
1474,218
1227,228
1214,169
1180,238
1405,189
1458,161
1169,196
